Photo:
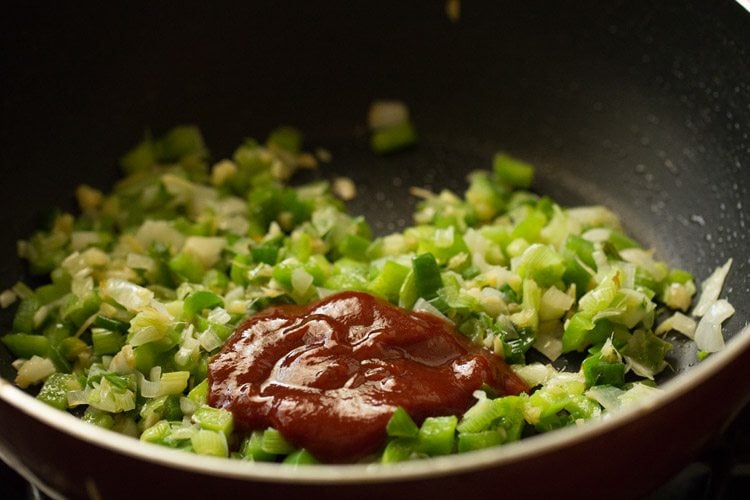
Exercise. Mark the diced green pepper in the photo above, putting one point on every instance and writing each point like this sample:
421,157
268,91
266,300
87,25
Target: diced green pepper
402,425
599,371
389,280
54,392
300,457
24,345
399,450
427,279
24,318
393,138
515,172
199,300
437,435
469,441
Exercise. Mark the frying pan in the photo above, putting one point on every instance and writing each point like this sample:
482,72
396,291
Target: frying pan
644,107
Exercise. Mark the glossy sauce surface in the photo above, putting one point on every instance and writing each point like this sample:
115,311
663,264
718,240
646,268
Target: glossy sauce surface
329,375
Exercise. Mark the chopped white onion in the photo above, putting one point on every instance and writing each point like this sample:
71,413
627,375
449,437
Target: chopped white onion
161,231
206,248
711,288
95,257
535,374
140,261
421,305
187,405
301,281
597,234
76,398
81,284
222,171
82,239
127,294
161,385
189,349
606,395
123,362
145,335
678,322
601,260
209,340
344,188
548,344
640,394
34,371
554,304
645,260
708,335
219,315
596,215
7,298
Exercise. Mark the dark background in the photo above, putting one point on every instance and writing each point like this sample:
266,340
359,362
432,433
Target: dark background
642,106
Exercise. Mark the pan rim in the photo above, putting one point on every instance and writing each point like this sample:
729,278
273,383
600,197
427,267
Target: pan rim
372,473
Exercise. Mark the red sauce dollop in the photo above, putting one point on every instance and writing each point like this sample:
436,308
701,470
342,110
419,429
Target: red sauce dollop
329,375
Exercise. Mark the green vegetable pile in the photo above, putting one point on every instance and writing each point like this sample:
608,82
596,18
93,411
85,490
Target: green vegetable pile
146,283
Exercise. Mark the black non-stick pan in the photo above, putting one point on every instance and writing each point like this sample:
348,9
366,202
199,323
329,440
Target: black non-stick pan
641,106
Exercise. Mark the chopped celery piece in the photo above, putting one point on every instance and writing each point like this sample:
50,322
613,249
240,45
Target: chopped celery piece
275,443
505,414
542,264
206,442
106,341
199,393
157,433
112,324
214,419
252,448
